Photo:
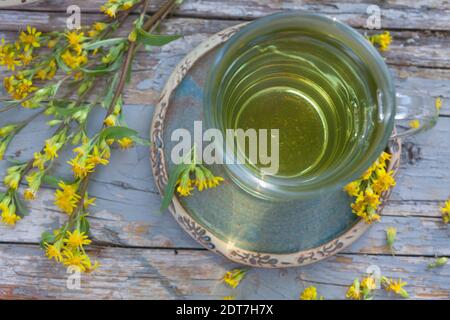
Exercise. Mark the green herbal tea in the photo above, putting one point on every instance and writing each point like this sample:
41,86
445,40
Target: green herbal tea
313,90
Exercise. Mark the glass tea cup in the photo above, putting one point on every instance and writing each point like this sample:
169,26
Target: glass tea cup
324,87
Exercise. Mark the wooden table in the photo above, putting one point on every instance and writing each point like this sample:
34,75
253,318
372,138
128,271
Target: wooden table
145,255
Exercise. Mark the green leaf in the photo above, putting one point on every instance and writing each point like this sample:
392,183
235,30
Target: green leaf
102,69
52,181
109,95
104,43
84,225
22,209
171,184
117,133
141,141
157,40
14,161
47,237
60,63
65,112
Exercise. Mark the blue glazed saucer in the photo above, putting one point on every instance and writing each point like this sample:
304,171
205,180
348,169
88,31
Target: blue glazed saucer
228,220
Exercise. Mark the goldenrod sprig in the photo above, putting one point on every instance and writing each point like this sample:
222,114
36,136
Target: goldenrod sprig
310,293
85,57
186,176
439,262
368,189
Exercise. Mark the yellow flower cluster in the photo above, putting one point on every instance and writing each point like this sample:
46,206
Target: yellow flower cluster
66,197
74,56
445,210
361,290
234,277
364,290
88,158
203,179
395,286
8,211
18,54
438,103
96,29
69,250
18,86
112,7
369,188
383,40
310,293
50,151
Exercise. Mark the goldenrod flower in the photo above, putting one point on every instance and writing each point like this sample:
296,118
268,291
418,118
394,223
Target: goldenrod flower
76,259
29,194
371,199
353,188
39,160
310,293
30,39
234,277
396,286
391,234
75,39
446,212
125,143
26,58
12,179
51,149
73,61
96,29
368,283
66,198
414,124
383,158
109,10
438,103
53,252
80,168
383,40
354,291
96,157
10,218
76,239
88,201
185,186
127,5
110,120
10,61
383,182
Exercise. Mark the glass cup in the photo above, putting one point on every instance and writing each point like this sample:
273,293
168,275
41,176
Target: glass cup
322,62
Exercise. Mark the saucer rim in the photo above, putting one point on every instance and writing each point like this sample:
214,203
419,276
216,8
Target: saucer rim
200,233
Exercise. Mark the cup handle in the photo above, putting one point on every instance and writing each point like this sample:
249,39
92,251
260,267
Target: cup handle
414,114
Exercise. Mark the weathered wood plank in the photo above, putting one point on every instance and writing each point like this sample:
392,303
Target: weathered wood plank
127,212
394,14
133,224
166,274
424,174
424,48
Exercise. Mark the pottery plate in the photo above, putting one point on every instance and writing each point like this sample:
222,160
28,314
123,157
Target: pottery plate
226,219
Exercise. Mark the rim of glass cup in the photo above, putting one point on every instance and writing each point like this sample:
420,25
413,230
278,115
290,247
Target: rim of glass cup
276,188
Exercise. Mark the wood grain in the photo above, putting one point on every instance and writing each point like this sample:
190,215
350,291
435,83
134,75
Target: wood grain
146,255
191,274
397,14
